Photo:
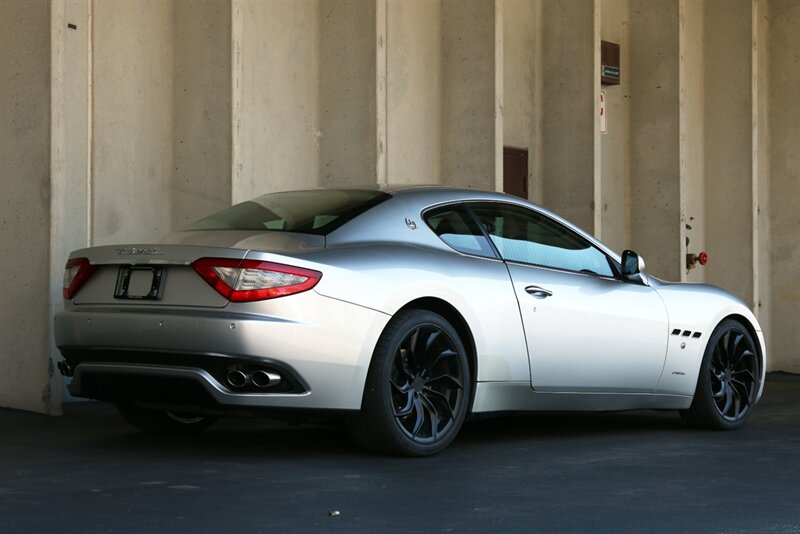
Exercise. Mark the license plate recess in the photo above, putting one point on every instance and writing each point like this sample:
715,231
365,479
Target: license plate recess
139,282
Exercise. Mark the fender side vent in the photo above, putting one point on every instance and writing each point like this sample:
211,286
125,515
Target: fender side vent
676,332
696,335
686,333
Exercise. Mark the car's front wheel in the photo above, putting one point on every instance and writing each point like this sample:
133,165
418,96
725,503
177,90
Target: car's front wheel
418,387
730,374
164,422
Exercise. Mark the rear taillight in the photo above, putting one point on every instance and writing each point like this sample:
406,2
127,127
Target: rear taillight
76,273
249,280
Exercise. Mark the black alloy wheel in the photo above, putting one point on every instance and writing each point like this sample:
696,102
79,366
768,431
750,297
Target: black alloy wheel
727,387
427,383
418,387
733,371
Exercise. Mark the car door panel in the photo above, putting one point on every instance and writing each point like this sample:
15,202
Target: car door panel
590,334
586,329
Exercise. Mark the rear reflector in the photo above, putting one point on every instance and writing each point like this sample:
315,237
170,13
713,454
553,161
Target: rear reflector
76,273
250,280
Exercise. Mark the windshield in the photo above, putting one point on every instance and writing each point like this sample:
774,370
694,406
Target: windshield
307,212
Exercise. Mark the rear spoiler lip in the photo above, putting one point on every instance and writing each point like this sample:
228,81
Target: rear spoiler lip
148,253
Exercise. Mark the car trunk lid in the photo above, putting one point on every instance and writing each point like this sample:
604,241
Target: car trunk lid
162,275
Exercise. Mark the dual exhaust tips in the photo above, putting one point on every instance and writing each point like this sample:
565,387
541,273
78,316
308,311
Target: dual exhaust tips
238,379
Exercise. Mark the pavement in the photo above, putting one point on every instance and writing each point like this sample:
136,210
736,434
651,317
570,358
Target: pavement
627,472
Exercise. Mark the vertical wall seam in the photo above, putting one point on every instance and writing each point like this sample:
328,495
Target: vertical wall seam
89,121
596,142
381,92
682,121
52,395
498,96
237,29
754,140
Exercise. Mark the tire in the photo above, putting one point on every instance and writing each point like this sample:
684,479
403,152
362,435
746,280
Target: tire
729,379
164,422
417,390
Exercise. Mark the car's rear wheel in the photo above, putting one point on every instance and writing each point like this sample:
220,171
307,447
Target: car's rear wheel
417,390
728,384
164,422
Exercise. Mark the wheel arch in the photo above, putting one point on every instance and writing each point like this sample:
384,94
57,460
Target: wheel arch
455,318
751,329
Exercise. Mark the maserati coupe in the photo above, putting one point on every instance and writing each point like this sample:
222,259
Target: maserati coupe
400,312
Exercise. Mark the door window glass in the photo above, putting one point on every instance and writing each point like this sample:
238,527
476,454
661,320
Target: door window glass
522,235
456,227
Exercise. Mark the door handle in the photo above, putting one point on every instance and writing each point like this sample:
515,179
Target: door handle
538,292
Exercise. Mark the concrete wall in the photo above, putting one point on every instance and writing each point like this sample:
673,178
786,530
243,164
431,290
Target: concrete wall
522,81
784,186
25,366
568,107
692,165
655,154
347,105
469,151
278,132
615,143
201,109
414,91
728,146
132,121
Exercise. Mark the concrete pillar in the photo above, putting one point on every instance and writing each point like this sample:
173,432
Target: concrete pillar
762,294
26,380
276,113
615,183
347,93
201,110
784,182
728,146
692,164
569,92
470,133
71,145
656,230
414,91
132,121
522,78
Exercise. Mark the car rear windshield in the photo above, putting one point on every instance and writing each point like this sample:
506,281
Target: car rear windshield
307,212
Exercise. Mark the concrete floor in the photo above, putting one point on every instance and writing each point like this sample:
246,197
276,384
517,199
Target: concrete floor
89,472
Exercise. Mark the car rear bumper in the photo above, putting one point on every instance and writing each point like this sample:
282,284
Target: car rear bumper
319,346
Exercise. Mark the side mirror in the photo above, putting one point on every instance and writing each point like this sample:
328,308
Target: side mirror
632,264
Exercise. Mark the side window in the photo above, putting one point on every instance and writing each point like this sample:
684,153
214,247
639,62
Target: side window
525,236
456,227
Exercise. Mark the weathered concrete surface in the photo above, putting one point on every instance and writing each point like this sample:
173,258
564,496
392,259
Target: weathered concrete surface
25,207
633,472
522,80
655,182
201,110
132,121
347,107
568,100
728,137
279,121
615,143
692,134
414,91
468,93
784,176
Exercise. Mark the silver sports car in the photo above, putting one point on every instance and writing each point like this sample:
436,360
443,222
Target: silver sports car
402,311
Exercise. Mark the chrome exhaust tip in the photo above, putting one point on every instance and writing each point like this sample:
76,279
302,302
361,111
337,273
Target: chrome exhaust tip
64,368
237,378
265,379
